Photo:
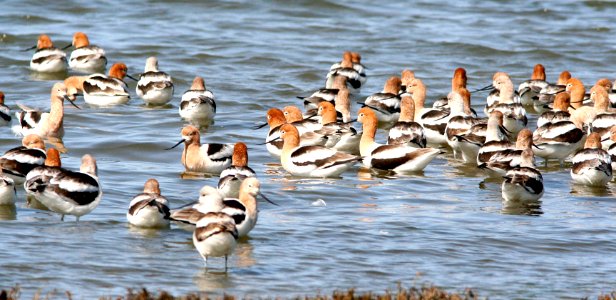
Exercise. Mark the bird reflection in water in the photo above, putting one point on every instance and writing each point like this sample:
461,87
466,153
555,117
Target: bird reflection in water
243,254
8,212
215,279
590,191
375,175
528,208
39,76
274,169
31,202
57,143
146,232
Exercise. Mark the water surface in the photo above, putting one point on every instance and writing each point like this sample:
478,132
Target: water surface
446,225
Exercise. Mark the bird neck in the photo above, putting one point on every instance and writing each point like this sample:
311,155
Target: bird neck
250,202
407,110
367,138
56,114
329,116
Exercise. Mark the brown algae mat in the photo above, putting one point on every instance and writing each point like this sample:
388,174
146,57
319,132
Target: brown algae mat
413,293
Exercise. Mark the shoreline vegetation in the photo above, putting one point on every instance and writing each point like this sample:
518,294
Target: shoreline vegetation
426,292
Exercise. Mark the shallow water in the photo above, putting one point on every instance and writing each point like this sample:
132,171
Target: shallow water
446,225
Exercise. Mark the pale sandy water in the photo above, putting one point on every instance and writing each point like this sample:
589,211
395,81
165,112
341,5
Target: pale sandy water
445,226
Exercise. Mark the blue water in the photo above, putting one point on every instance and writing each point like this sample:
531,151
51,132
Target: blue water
445,226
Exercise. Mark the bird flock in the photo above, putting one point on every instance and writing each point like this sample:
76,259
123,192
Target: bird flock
320,141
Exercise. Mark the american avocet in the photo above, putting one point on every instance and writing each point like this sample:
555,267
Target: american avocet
231,178
41,174
346,70
557,139
546,95
513,111
612,97
592,165
340,136
243,209
406,77
523,183
612,148
275,119
86,58
101,90
198,105
357,65
397,157
17,162
311,103
149,209
47,58
434,121
7,190
581,115
311,161
386,104
45,124
529,90
207,158
342,105
345,55
293,115
406,130
559,112
604,119
500,80
5,111
210,200
154,87
494,142
502,161
458,81
468,144
215,236
609,88
69,192
50,168
461,123
74,86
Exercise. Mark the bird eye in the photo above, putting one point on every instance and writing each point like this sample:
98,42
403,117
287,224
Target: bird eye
286,112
